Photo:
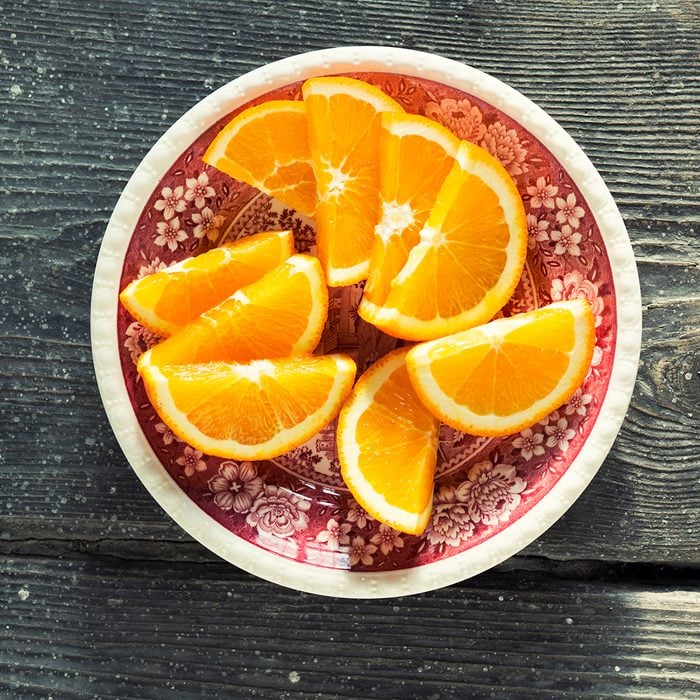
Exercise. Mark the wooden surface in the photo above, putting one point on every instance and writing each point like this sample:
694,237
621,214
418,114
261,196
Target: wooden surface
103,596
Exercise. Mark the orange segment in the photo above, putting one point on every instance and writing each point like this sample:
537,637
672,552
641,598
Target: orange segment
469,258
344,117
416,154
387,446
169,299
267,146
508,374
281,314
258,410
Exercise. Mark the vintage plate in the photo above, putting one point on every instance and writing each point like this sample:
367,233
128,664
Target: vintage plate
290,520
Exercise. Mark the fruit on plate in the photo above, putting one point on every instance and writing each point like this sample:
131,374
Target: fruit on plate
415,156
469,258
267,146
169,299
280,315
387,446
344,117
506,375
247,411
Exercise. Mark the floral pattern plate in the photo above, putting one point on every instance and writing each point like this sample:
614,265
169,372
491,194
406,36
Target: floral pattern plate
291,520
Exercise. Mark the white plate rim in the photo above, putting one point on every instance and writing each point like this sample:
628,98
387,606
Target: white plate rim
308,577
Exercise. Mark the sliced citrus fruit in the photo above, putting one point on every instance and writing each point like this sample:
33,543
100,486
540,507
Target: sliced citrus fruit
257,410
469,257
506,375
344,117
387,446
169,299
267,146
281,314
416,154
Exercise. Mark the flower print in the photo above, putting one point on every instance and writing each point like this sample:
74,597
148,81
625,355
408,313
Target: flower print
542,194
597,356
462,118
357,515
171,202
504,144
529,443
387,539
304,234
361,551
569,212
151,268
168,435
138,340
169,233
536,231
491,492
279,512
192,461
236,486
575,286
198,189
450,522
207,224
559,432
566,240
577,403
335,534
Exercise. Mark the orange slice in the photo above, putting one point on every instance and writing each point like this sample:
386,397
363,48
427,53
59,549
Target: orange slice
258,410
267,146
416,154
469,257
508,374
344,117
169,299
281,314
387,446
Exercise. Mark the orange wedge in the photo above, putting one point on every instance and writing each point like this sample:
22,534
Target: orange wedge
469,257
169,299
508,374
387,446
344,117
416,154
267,146
281,314
258,410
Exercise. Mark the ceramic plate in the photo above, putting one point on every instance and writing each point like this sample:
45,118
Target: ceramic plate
291,520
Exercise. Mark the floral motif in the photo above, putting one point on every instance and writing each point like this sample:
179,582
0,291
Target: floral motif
357,515
304,234
170,233
577,403
172,202
491,492
168,435
566,240
236,486
462,118
207,224
559,432
138,340
529,443
192,461
387,539
279,512
536,231
569,212
151,268
335,534
199,189
542,194
504,144
361,551
450,522
575,286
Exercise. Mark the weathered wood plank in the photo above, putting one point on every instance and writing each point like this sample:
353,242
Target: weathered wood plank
91,628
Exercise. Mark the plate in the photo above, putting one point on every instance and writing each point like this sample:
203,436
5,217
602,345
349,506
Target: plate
291,520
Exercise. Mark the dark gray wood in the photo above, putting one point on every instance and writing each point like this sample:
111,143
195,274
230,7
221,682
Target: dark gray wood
85,89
